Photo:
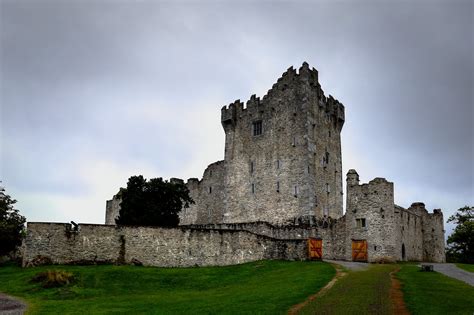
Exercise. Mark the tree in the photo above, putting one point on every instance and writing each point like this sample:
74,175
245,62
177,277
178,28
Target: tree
461,241
11,224
153,203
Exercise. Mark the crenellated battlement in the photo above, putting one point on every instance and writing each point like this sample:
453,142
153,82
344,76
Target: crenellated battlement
304,82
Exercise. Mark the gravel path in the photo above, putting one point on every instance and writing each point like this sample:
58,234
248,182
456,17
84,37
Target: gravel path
351,265
11,306
451,270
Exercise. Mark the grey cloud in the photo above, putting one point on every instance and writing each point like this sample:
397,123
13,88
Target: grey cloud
72,72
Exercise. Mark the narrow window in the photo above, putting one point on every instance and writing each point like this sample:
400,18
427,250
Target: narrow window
210,173
296,191
278,187
329,133
257,128
253,188
308,169
278,164
251,167
328,188
210,189
327,157
294,141
360,223
375,247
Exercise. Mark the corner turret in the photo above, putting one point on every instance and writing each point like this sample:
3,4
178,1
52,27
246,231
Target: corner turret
352,178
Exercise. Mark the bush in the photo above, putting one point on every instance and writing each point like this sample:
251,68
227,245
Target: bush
53,278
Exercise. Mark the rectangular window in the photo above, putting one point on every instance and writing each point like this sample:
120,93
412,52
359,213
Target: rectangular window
328,188
253,188
210,189
251,167
278,186
296,191
360,223
257,128
294,141
278,164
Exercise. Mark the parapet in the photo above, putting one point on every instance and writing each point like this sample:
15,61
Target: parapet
288,81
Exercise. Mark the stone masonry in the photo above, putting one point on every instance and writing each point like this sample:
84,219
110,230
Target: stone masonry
281,179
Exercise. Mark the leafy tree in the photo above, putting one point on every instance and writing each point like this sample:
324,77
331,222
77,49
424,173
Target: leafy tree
153,203
461,241
11,224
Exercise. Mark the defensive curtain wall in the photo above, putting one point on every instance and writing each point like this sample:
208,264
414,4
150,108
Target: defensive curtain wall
235,243
60,243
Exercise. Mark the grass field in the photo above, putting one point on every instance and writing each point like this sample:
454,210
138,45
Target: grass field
434,293
467,267
265,287
359,292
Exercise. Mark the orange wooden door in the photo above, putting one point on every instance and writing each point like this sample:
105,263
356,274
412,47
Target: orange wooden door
359,250
315,248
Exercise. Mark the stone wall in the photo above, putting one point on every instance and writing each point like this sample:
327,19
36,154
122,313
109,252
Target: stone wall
411,234
432,232
331,231
374,203
172,247
112,209
208,195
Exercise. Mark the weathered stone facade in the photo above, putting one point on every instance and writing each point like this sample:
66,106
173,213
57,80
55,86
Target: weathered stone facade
282,176
59,243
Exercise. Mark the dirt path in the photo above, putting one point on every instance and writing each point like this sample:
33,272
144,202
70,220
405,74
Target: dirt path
339,274
396,295
11,306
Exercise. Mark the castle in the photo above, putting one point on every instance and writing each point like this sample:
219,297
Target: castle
277,193
283,165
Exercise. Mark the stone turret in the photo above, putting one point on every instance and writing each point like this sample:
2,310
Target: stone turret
352,178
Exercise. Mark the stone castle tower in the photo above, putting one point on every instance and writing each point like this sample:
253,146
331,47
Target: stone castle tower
283,152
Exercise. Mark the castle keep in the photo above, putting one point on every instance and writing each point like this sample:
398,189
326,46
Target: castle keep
280,184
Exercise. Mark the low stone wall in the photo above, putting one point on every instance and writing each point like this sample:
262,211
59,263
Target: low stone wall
331,231
166,247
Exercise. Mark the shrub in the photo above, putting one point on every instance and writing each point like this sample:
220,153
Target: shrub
53,278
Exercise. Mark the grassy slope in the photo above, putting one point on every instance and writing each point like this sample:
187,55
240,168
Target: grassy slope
467,267
359,292
266,287
434,293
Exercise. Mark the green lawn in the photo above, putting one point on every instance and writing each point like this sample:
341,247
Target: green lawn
467,267
435,293
359,292
265,287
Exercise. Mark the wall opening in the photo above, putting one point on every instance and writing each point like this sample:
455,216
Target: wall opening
403,252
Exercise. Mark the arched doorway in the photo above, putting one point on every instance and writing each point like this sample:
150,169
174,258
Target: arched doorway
403,252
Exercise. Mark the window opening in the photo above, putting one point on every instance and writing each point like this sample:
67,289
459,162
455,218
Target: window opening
257,128
361,223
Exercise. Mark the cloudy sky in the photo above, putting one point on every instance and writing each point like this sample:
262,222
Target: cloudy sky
95,91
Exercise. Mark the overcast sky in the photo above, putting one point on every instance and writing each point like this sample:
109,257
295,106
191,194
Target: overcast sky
93,92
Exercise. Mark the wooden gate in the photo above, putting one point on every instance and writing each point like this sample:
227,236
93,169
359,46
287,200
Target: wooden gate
315,248
359,250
